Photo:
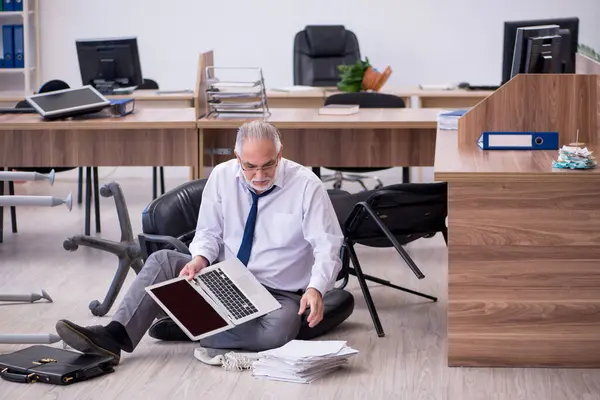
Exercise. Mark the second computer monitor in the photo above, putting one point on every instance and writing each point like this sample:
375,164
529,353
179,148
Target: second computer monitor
537,50
569,33
109,64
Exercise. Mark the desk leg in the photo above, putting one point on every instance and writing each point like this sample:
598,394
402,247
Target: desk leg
317,171
1,210
96,199
88,198
405,175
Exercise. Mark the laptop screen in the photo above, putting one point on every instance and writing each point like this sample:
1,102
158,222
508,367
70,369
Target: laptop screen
189,307
62,100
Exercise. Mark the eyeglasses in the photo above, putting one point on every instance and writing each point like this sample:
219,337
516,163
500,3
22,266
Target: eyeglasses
268,166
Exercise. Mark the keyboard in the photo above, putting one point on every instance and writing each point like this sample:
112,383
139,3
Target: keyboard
484,87
238,305
25,110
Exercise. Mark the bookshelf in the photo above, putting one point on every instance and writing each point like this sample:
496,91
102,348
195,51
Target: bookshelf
23,81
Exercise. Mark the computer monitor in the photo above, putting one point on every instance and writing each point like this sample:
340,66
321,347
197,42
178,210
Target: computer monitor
569,32
109,64
537,50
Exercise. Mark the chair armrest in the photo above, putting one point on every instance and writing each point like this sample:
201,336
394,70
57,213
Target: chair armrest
146,241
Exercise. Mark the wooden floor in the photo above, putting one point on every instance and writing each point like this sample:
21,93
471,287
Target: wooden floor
408,363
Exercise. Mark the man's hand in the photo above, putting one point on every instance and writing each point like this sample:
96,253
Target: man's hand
313,299
197,264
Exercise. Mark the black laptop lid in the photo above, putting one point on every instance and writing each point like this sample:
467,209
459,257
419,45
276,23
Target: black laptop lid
189,307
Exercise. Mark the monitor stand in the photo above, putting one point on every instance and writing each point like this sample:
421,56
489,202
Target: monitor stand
113,87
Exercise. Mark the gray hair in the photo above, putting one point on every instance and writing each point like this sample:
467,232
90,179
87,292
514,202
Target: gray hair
257,130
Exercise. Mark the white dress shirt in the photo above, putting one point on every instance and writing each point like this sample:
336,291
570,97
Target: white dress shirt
297,236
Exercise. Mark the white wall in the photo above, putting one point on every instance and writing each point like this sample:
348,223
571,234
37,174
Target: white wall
425,41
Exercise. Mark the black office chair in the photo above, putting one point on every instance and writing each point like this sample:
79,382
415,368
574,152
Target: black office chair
363,100
319,49
169,222
391,216
150,84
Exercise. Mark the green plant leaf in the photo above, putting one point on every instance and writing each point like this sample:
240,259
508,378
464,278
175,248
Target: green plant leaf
351,76
588,51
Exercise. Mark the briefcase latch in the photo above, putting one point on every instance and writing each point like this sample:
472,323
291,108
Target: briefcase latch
44,361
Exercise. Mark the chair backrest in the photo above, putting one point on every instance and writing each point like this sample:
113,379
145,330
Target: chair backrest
367,100
148,84
53,85
409,210
174,213
318,50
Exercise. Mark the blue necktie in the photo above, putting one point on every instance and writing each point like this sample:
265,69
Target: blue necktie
246,246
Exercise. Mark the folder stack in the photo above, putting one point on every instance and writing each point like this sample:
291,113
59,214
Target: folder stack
302,361
13,46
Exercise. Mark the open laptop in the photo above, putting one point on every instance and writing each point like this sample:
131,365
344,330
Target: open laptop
68,102
219,297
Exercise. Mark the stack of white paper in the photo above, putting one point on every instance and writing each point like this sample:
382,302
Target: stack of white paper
302,361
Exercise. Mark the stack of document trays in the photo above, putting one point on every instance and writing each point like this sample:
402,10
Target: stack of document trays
236,90
574,157
302,361
448,119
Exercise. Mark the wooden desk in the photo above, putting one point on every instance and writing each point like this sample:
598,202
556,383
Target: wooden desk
425,98
9,99
524,276
155,99
143,99
314,98
296,99
370,138
157,137
442,98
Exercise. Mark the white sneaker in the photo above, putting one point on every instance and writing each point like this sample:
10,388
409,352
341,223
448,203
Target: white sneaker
230,361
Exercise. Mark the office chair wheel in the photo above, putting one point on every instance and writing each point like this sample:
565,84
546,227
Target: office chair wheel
69,245
96,308
337,185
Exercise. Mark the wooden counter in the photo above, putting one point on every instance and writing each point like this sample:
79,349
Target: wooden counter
523,270
463,163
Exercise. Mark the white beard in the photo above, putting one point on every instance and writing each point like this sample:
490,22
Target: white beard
261,188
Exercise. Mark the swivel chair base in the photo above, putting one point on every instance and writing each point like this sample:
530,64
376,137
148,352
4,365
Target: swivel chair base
127,250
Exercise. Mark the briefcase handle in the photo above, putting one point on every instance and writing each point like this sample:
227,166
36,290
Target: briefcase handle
15,377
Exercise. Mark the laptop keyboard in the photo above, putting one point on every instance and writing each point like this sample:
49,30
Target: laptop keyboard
232,298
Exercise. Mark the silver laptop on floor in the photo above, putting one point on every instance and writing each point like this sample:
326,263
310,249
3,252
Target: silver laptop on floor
219,297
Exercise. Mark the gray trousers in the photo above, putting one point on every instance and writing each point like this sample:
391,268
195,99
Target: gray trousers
138,310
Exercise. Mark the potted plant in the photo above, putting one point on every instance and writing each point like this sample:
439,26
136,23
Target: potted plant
361,76
588,51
